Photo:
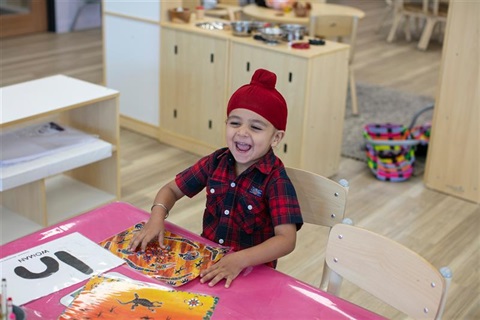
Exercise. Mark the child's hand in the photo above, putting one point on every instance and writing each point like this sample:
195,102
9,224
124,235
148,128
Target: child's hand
228,268
154,227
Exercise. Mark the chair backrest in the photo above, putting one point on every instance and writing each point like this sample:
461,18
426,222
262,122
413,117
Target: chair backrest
386,269
322,200
335,27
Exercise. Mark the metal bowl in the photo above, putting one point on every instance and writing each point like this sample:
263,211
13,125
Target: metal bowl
213,25
272,34
293,32
246,28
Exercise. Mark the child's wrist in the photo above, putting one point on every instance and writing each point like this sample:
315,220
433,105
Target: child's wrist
164,207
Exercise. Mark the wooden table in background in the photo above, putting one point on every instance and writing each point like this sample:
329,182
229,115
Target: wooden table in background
276,16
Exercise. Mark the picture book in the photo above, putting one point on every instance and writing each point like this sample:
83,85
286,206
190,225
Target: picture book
178,263
106,297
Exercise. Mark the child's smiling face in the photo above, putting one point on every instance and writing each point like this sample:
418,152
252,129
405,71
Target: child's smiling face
249,137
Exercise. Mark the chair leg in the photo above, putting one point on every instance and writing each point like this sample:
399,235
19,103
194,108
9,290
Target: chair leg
325,277
353,91
408,32
388,11
426,34
393,30
441,30
334,283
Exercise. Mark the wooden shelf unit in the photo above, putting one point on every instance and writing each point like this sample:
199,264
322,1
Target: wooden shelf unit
92,181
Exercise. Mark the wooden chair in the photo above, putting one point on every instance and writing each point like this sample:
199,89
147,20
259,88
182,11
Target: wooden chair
322,201
428,12
338,27
387,270
407,10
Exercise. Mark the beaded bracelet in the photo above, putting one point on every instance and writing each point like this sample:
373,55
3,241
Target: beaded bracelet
160,205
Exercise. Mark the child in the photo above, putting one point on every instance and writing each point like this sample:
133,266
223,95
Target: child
251,203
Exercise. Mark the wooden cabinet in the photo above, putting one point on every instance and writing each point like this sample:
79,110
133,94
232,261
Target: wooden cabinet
453,160
200,69
193,91
65,183
314,85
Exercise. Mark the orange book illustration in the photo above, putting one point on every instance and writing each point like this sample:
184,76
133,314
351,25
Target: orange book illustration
114,298
178,263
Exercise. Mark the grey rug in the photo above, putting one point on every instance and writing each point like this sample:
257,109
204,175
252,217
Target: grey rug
379,105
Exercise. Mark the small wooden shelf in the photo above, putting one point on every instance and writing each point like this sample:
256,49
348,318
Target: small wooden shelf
53,188
25,172
65,197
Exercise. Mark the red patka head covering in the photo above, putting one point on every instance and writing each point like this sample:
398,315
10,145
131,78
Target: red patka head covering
261,97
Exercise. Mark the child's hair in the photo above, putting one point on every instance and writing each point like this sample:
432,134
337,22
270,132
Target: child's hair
260,96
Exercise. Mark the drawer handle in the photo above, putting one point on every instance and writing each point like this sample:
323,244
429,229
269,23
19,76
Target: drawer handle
248,66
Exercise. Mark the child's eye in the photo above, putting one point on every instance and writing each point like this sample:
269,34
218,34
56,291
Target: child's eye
257,128
233,123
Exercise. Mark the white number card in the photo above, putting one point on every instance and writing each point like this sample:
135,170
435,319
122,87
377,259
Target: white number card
53,266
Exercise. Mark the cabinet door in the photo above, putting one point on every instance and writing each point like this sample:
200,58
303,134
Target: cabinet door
174,69
291,83
209,98
193,81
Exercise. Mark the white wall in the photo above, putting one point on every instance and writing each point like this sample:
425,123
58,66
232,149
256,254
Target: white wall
132,51
66,10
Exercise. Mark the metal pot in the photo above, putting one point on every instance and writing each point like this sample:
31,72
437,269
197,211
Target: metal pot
246,28
271,34
293,32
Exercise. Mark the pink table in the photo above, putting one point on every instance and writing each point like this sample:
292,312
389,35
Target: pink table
258,293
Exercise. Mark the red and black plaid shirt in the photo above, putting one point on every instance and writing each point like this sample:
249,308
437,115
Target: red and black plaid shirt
242,211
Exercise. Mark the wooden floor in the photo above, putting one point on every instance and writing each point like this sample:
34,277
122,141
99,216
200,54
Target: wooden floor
443,229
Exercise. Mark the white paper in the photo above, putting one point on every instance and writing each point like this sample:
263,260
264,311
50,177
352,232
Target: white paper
53,266
38,140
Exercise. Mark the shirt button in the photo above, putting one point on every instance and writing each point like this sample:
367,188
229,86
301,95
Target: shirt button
227,212
212,190
249,207
221,241
232,184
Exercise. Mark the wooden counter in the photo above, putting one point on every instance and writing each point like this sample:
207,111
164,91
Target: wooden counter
200,69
